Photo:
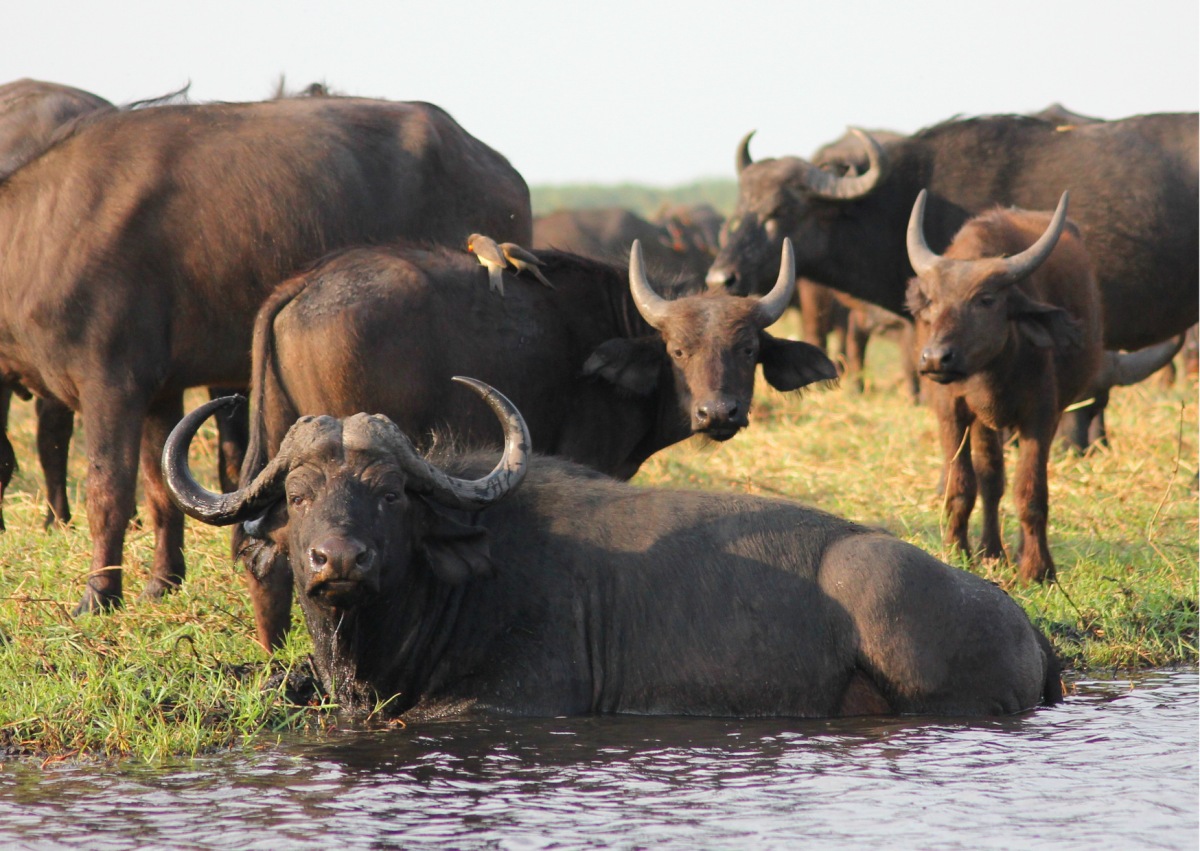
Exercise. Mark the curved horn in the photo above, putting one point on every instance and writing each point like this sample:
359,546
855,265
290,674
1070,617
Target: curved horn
1134,367
743,152
1020,265
467,494
773,304
197,501
823,184
919,254
650,304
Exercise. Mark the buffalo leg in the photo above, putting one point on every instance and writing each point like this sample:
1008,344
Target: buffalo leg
987,454
858,332
233,430
953,422
1032,496
8,457
56,422
167,520
114,432
271,597
908,361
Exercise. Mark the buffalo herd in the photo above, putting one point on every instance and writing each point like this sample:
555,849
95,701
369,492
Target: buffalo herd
312,251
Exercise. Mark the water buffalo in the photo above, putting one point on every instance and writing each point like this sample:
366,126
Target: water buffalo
34,115
138,249
675,247
1134,185
1011,317
543,588
608,371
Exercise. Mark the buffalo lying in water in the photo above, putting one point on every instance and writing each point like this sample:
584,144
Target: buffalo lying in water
443,587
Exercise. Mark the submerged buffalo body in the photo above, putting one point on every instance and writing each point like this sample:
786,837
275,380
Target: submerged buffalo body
438,588
385,329
138,250
1134,196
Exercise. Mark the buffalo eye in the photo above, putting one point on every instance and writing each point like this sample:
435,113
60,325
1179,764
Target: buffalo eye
986,300
390,497
748,351
677,353
297,501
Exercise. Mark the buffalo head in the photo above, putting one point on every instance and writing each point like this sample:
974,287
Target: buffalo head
969,302
713,341
784,197
352,504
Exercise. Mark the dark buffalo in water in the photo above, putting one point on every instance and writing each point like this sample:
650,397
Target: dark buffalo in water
1133,184
675,247
544,588
138,250
608,371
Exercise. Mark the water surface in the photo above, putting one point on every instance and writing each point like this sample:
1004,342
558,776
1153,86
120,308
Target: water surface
1115,767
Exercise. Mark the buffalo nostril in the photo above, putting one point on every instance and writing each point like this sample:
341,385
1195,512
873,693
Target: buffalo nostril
947,356
318,558
733,411
363,558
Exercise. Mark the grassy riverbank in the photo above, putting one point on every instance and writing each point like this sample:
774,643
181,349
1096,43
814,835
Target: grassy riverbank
185,675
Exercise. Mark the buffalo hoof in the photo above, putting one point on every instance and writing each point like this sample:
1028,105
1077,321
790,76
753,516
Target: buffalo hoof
156,589
96,602
51,523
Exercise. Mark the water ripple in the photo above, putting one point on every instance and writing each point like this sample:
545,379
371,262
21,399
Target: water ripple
1115,767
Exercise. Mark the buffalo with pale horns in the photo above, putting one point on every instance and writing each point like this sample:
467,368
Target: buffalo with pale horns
1012,322
606,369
544,588
137,251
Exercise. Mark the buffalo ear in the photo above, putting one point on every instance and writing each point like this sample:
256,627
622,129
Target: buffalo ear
790,365
1044,325
453,550
631,364
915,299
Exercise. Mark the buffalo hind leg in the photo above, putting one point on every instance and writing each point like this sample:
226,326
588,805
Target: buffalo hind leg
56,423
167,520
233,431
1032,496
114,432
987,455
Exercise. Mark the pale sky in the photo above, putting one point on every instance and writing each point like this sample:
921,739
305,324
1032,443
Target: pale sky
625,90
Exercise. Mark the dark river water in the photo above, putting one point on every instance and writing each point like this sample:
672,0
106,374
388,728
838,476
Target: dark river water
1115,767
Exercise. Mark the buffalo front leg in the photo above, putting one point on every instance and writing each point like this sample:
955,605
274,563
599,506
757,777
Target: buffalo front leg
167,520
56,422
233,431
1032,496
954,421
987,456
114,431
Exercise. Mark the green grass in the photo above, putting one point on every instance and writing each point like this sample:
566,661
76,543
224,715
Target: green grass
185,675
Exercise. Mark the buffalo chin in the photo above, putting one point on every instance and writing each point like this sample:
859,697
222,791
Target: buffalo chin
721,435
340,594
944,377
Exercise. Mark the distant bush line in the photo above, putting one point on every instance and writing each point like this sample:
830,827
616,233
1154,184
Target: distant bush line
721,193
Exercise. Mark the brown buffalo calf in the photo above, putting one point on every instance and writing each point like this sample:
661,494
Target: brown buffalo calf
1012,322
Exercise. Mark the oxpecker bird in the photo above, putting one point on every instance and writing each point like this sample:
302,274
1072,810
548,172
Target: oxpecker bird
524,261
490,257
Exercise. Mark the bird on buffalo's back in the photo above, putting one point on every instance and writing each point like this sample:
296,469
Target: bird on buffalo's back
490,257
524,261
